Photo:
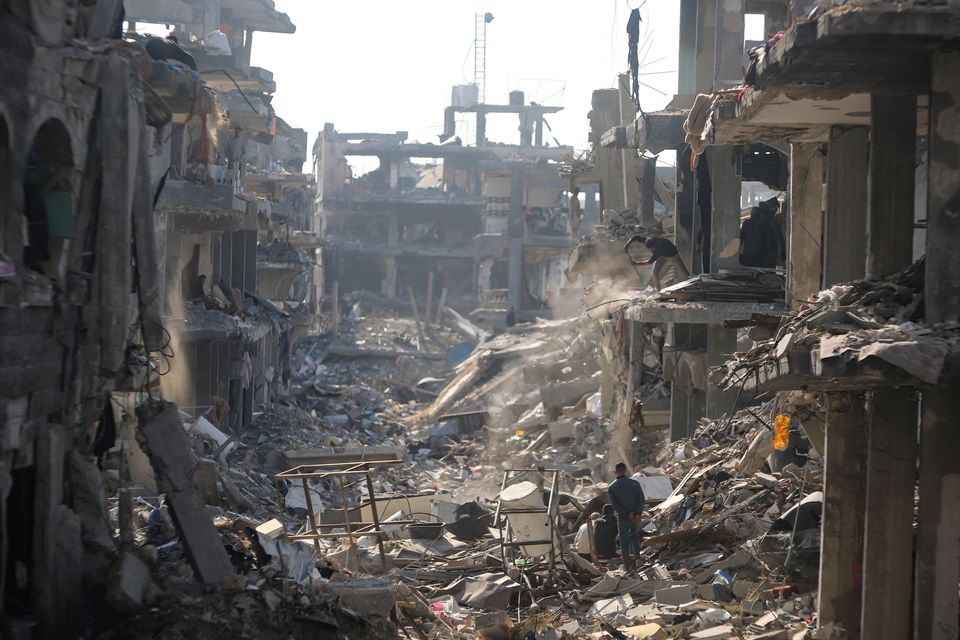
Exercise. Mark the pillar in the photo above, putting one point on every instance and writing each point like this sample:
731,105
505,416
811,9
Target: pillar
684,207
844,489
805,223
846,214
50,451
888,531
481,127
729,60
893,132
943,192
604,114
516,229
706,45
725,176
936,609
679,407
249,239
648,183
687,54
393,229
630,164
721,343
238,260
388,284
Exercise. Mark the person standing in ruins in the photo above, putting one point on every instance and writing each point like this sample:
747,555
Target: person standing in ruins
627,499
663,253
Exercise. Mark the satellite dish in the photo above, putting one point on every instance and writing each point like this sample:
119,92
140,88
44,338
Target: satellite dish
488,17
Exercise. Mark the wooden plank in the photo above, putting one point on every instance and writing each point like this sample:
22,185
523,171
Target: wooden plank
162,437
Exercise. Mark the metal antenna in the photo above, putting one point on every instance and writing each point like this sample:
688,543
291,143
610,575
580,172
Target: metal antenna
481,20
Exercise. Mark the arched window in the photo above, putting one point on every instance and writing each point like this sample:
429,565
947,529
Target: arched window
49,212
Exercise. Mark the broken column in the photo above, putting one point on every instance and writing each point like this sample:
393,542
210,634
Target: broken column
893,131
724,163
721,344
841,539
846,214
162,436
942,285
805,221
936,608
888,530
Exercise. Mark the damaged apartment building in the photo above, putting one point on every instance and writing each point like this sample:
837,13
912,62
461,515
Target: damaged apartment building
239,267
847,112
481,228
116,197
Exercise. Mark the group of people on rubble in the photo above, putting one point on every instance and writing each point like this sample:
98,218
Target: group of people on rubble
619,519
761,244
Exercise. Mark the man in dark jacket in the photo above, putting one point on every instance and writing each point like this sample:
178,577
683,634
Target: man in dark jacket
626,496
761,239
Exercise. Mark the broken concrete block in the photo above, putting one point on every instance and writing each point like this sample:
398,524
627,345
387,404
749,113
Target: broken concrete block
367,597
676,596
128,583
272,528
651,631
162,436
722,631
610,607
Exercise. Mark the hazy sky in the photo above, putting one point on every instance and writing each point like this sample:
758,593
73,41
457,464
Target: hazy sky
383,66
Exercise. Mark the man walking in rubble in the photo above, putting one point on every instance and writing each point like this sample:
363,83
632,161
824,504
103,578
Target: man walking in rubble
626,496
663,253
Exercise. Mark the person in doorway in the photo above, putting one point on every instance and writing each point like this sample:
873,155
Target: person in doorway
663,253
770,208
626,497
511,317
236,151
605,534
581,542
758,242
576,213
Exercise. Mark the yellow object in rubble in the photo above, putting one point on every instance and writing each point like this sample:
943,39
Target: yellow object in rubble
781,432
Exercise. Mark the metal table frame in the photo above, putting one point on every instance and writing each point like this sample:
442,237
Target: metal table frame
340,471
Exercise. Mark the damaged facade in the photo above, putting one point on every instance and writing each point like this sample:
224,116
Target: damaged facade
481,228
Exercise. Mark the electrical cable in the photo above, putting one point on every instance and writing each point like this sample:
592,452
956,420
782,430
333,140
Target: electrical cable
244,95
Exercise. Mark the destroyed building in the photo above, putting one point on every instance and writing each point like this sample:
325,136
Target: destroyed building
484,224
85,129
845,110
238,290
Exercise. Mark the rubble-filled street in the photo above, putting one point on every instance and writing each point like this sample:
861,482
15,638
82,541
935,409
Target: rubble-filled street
650,335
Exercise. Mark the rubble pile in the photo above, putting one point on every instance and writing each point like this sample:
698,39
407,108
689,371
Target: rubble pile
731,527
851,327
